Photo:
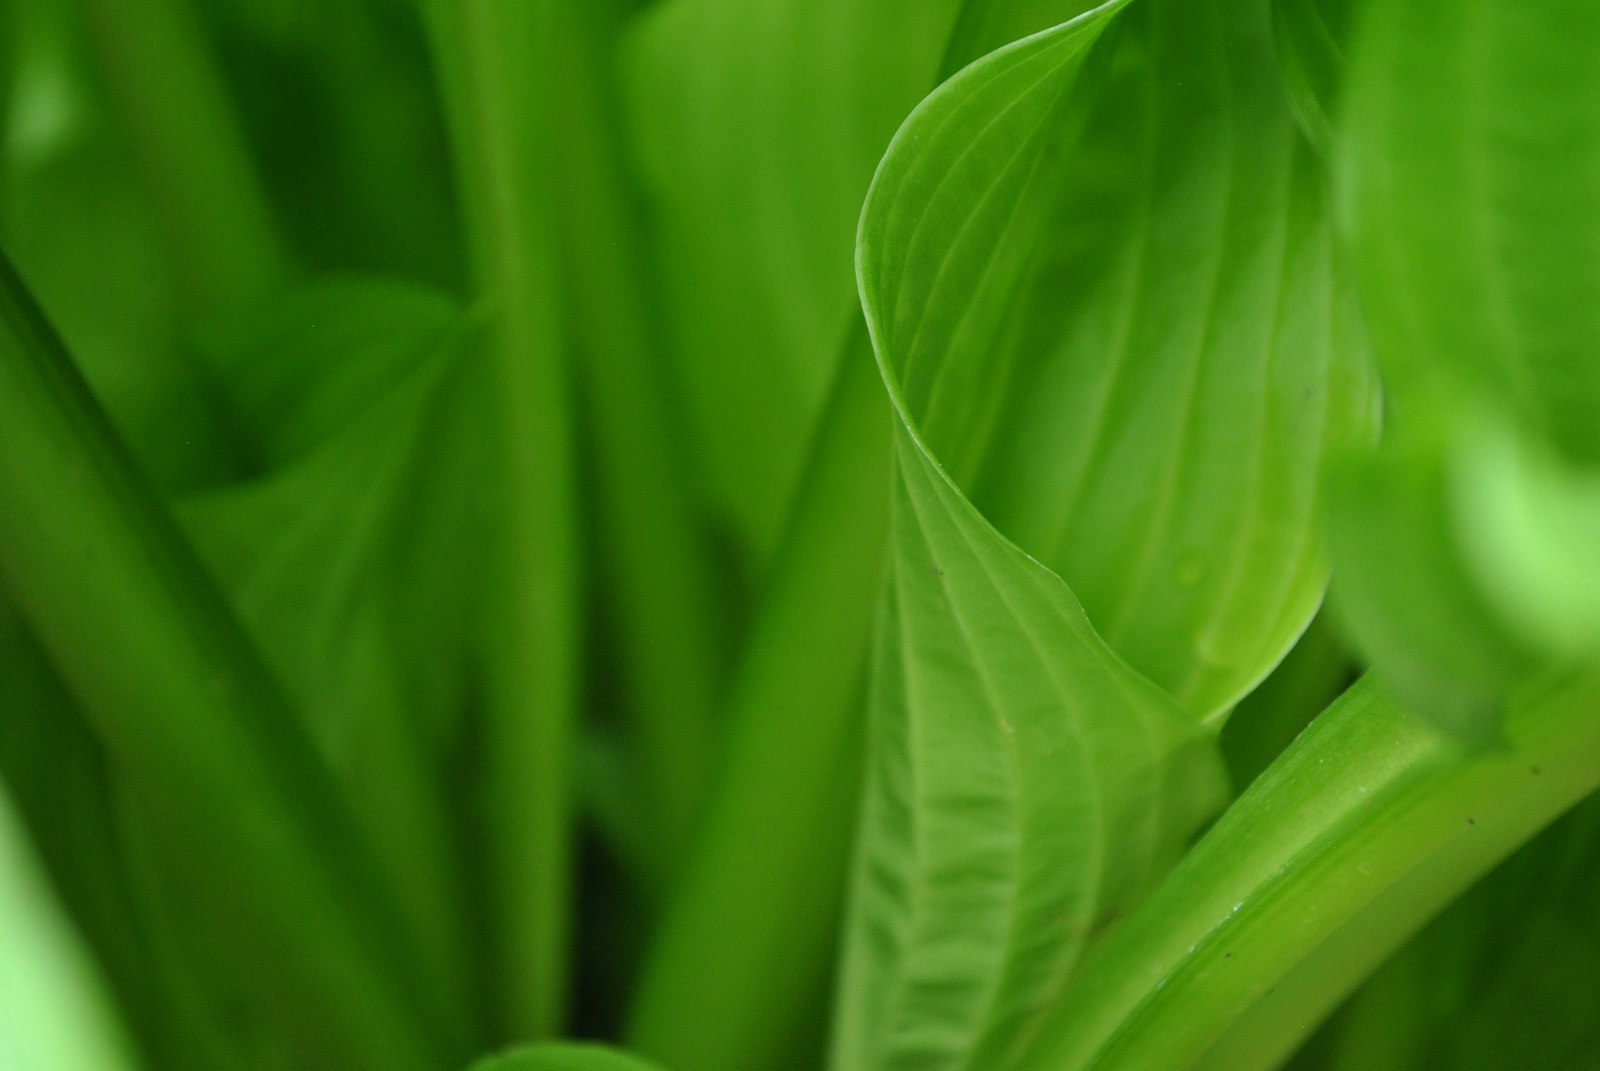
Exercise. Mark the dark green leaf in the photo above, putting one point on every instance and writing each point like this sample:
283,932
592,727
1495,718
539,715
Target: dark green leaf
349,557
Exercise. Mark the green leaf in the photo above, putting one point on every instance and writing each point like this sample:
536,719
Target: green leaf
56,774
1312,37
663,592
1007,736
89,243
1468,160
1152,418
174,109
1079,402
207,751
349,556
54,1011
564,1057
336,102
757,126
763,886
1469,543
1405,593
297,368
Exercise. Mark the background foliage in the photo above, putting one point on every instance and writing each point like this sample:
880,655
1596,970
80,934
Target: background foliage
782,534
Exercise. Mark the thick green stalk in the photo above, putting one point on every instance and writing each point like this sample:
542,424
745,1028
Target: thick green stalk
494,59
174,103
659,574
1370,823
763,887
188,711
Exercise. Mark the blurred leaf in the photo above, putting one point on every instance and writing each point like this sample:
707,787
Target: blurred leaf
1470,544
1007,735
1312,37
56,773
269,879
1469,159
54,1011
1530,528
756,126
350,556
564,1057
337,98
298,368
1151,419
89,242
1405,594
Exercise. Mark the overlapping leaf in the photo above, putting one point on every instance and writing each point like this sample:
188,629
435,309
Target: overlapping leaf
1155,420
1122,356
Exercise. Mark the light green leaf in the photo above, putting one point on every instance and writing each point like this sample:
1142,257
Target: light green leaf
1405,593
564,1057
1468,163
55,773
1025,784
757,126
54,1011
1152,421
1530,525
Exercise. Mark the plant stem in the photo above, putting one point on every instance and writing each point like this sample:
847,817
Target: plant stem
188,711
1367,825
659,571
175,106
764,884
494,60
